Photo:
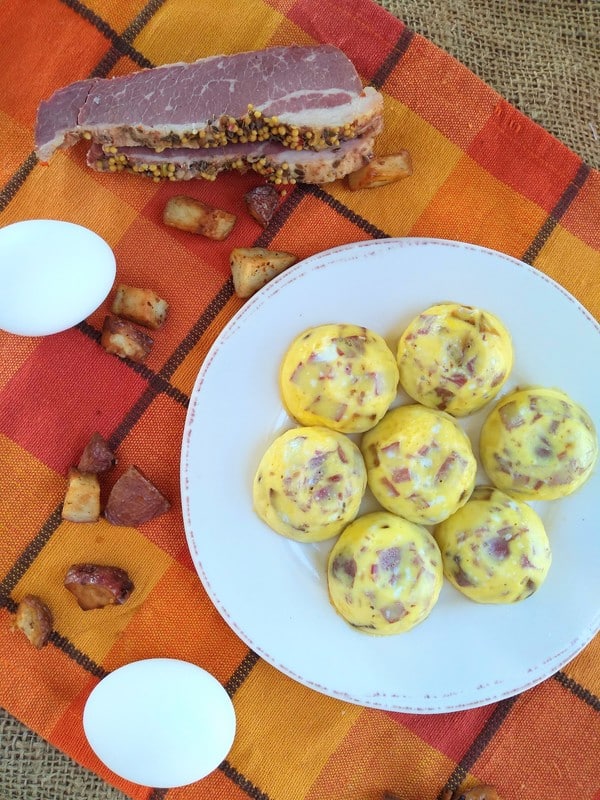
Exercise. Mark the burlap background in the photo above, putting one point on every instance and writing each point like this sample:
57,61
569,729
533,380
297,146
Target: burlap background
543,56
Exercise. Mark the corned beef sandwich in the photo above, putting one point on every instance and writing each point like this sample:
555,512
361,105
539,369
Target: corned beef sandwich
290,113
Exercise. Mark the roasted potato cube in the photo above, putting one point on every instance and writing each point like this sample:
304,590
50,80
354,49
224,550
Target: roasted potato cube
125,340
134,500
82,499
96,586
261,203
140,305
97,455
34,618
253,267
381,171
194,216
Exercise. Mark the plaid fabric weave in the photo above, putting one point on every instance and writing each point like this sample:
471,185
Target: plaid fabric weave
483,173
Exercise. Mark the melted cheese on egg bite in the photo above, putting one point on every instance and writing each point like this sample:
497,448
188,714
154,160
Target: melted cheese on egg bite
455,358
420,464
538,444
384,574
494,549
309,484
342,376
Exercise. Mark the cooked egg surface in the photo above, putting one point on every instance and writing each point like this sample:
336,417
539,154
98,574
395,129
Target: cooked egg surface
537,444
309,484
495,548
420,464
454,358
342,376
384,574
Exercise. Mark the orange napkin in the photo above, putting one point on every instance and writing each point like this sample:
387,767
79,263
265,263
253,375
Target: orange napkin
483,173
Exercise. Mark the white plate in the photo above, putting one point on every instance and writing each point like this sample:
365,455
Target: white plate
273,592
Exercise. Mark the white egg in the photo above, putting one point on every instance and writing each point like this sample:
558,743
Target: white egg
53,275
160,722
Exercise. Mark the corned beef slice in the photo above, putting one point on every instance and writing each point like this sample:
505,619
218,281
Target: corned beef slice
304,97
57,124
270,159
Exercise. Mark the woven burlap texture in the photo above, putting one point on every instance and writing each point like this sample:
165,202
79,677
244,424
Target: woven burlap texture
543,56
30,769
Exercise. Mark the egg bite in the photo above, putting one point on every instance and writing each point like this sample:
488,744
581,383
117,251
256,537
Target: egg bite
342,376
455,358
309,484
538,444
420,464
495,548
384,574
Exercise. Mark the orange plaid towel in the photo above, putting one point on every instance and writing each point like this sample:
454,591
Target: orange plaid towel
483,174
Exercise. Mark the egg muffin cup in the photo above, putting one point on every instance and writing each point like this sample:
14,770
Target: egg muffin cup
420,464
309,484
384,574
495,548
538,444
454,358
344,377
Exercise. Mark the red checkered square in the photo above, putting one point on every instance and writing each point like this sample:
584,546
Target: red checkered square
451,734
519,153
85,389
365,32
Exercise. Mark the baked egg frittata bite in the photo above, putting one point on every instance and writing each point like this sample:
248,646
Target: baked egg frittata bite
495,548
342,376
538,444
455,358
384,574
309,484
420,464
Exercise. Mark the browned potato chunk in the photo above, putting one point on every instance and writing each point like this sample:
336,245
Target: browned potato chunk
140,305
82,499
253,267
96,586
261,203
97,455
194,216
34,618
381,171
134,500
124,340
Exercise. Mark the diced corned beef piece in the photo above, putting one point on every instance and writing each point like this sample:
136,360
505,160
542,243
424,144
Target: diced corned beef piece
269,159
305,97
